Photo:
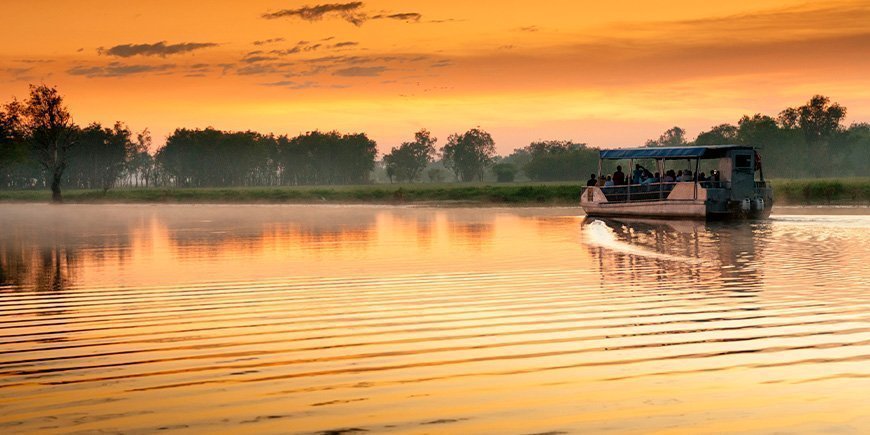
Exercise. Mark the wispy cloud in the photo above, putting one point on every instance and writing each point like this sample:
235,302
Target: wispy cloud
269,41
360,71
404,16
161,49
116,69
350,12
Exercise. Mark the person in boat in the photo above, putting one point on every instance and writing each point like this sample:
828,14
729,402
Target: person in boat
608,182
679,176
702,177
657,178
636,174
670,176
687,176
593,181
601,181
619,176
646,178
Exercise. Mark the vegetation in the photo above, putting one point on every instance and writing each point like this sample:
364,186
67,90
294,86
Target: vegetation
854,191
41,148
407,162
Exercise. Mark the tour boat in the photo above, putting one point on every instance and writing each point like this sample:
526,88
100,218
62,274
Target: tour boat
733,191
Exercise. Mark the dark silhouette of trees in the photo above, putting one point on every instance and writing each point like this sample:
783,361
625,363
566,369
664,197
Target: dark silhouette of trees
558,160
326,158
673,137
818,118
720,134
49,131
100,156
469,154
407,161
504,172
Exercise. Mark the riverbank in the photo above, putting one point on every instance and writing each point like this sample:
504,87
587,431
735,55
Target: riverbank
846,191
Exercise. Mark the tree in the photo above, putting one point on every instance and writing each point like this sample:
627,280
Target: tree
408,160
673,137
554,160
721,134
504,172
50,133
468,154
12,148
818,118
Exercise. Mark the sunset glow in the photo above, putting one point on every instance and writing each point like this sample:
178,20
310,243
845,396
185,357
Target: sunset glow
608,74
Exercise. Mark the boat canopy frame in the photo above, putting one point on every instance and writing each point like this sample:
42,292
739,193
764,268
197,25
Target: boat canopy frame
672,153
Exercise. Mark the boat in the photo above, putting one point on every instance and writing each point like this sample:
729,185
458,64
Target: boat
732,192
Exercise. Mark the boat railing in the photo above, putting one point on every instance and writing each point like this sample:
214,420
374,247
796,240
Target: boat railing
638,192
761,184
711,184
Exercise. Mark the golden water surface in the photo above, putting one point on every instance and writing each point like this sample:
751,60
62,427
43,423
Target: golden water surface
342,319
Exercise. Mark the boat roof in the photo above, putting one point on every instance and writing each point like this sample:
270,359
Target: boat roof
688,152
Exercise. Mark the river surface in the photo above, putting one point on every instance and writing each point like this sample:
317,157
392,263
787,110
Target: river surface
344,319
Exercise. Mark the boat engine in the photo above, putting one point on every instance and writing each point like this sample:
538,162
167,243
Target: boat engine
746,205
758,204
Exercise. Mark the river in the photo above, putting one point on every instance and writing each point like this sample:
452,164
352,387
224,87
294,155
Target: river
342,319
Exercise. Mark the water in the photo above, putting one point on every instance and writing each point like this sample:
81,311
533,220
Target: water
429,320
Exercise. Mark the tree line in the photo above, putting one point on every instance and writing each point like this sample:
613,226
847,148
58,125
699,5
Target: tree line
41,147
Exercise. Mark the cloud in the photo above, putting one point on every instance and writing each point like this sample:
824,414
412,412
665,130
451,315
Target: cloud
344,44
350,12
254,59
269,41
116,69
161,49
360,71
530,29
405,16
289,84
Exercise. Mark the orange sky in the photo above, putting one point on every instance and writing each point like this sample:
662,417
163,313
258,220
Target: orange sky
607,73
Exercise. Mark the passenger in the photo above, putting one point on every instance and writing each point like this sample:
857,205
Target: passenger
702,177
647,177
601,181
687,176
637,174
593,181
608,182
619,176
657,178
715,175
679,176
670,177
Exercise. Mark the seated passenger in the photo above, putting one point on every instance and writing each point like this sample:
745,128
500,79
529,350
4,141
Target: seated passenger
657,178
687,176
702,177
608,182
619,176
646,177
715,175
670,176
601,181
679,176
593,181
637,174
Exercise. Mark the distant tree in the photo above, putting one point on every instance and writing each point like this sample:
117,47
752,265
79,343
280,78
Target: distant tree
436,175
468,154
12,147
504,172
721,134
818,118
100,156
407,161
673,137
142,166
555,160
50,133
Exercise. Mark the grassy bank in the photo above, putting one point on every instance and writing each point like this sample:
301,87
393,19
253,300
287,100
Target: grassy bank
796,192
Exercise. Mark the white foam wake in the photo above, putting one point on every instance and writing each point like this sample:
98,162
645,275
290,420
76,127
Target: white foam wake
597,233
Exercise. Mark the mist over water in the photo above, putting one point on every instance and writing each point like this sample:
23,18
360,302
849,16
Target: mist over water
323,318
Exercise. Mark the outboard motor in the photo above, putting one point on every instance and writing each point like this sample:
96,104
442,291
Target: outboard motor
745,205
758,204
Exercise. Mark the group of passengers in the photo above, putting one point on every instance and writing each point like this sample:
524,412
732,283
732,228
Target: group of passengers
643,176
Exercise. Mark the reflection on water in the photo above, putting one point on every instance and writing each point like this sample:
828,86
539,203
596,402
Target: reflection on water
325,318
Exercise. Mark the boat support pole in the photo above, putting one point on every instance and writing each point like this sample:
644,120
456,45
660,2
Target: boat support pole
697,165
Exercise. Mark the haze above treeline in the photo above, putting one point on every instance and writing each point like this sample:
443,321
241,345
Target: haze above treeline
42,147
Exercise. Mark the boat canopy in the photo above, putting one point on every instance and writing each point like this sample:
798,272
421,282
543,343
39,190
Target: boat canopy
702,152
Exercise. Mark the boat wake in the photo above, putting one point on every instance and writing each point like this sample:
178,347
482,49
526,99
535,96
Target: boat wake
597,233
